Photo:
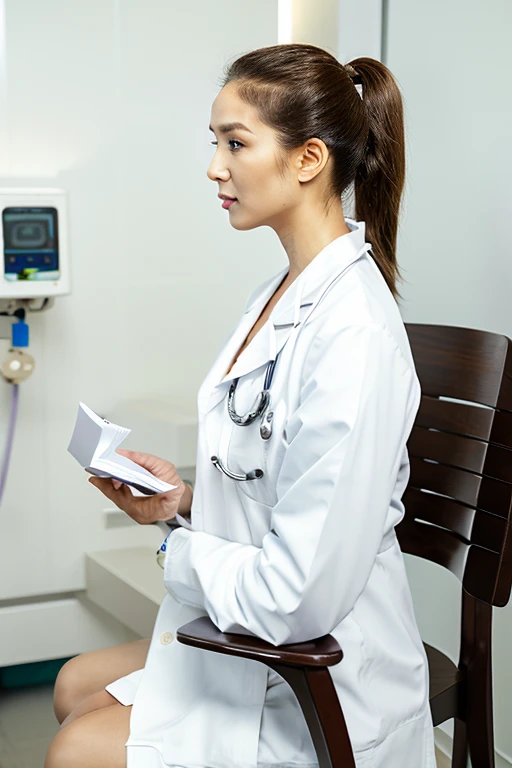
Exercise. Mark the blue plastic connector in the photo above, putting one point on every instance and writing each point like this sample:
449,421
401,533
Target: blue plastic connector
20,334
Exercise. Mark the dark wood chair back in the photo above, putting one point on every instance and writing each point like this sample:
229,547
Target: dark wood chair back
459,498
458,510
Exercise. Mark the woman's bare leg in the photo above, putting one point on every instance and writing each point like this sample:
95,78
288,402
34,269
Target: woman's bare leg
90,672
94,740
95,701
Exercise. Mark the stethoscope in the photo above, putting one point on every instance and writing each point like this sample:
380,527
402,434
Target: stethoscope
260,408
262,403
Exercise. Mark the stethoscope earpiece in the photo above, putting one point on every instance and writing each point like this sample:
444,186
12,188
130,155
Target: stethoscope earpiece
254,474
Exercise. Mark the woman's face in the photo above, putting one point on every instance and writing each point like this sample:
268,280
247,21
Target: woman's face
245,165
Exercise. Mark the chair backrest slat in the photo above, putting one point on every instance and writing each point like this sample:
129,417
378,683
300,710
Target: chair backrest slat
461,363
502,429
505,396
458,503
440,510
452,450
451,416
475,526
448,481
435,544
463,452
495,497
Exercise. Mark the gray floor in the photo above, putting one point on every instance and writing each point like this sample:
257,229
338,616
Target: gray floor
27,726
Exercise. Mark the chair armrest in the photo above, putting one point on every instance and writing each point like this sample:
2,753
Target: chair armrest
304,667
202,633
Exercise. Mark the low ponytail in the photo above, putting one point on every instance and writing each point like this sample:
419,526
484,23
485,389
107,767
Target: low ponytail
380,178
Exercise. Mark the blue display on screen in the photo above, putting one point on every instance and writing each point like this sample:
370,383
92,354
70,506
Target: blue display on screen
31,243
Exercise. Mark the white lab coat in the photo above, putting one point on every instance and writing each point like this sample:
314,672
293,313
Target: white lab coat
307,550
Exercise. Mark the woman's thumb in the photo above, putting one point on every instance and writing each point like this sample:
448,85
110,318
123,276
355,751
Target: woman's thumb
146,460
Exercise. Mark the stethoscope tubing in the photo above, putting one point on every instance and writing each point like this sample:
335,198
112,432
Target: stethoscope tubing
244,421
264,397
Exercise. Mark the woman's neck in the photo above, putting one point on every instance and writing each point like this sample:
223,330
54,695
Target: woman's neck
306,237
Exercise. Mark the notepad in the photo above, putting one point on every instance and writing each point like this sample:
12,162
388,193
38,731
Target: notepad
93,444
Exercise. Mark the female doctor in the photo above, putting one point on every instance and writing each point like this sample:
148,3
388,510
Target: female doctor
301,461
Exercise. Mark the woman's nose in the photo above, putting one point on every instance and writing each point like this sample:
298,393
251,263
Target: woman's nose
216,173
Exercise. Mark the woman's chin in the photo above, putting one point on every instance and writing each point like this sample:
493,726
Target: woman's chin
243,223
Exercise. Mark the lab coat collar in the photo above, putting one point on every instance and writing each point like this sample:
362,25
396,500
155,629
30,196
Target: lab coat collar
290,310
307,287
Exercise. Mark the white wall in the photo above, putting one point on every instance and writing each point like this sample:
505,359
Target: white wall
452,62
111,101
315,23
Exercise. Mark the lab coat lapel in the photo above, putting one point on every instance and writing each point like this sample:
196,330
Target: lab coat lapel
272,336
216,384
289,312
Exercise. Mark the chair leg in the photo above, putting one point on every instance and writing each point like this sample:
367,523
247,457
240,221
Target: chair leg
479,697
320,705
460,744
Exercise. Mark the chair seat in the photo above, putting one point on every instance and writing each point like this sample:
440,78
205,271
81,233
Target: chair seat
447,684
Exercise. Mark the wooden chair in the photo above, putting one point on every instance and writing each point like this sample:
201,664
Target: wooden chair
458,514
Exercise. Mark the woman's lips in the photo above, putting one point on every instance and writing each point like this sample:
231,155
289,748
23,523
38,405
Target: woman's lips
229,203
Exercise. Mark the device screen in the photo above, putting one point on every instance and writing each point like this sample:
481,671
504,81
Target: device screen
31,243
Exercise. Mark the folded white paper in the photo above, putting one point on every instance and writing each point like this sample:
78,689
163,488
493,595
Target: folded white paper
93,444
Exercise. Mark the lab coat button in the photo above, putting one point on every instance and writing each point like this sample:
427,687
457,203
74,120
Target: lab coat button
166,638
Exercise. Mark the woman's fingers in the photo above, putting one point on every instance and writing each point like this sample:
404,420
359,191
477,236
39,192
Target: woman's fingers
146,460
119,496
102,483
99,482
148,509
143,510
160,468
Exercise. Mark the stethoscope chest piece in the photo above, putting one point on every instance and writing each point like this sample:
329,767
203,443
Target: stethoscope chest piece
266,425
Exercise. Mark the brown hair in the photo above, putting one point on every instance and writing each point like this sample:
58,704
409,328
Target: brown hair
302,91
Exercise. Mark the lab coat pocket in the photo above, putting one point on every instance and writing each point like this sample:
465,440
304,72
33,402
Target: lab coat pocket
247,451
221,726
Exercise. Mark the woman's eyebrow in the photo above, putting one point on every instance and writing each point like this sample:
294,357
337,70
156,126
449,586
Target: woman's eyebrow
227,127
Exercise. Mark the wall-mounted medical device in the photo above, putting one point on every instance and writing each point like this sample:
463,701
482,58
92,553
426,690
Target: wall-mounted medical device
34,269
34,243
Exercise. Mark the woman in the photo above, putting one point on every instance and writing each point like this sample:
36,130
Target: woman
291,534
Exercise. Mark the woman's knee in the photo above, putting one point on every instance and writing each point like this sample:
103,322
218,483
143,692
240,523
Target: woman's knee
69,687
95,701
93,670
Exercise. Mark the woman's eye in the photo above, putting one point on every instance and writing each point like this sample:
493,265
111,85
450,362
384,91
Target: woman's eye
230,142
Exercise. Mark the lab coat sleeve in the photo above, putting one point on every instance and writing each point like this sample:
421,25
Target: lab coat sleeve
184,522
345,440
166,528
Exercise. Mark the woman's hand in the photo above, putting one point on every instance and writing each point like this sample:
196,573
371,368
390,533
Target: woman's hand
148,509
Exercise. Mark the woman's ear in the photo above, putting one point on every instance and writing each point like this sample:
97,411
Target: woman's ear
312,159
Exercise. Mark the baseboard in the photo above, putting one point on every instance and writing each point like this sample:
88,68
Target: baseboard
443,741
55,629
